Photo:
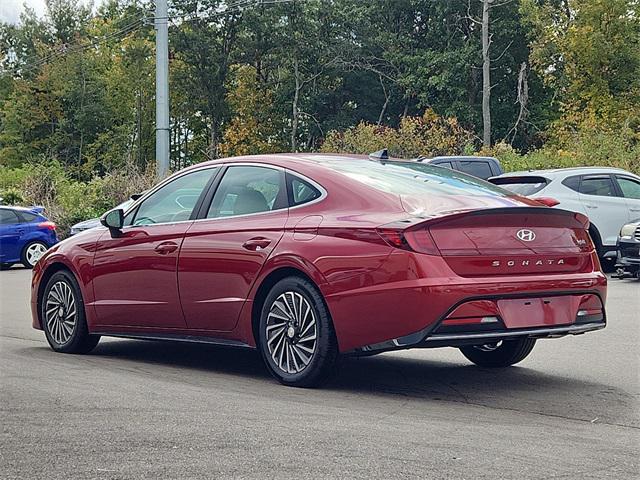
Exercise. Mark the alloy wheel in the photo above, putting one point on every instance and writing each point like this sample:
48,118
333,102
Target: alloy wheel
61,313
34,252
291,332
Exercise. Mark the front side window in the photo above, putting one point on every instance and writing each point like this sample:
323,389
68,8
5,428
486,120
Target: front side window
8,217
174,202
630,187
247,189
600,186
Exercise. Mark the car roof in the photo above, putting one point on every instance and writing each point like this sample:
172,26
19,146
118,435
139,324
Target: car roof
462,157
20,209
284,159
563,172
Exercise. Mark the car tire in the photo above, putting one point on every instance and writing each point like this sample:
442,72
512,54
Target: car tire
62,315
503,354
296,335
32,252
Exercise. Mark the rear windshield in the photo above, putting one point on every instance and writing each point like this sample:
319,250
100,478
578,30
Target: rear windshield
522,185
412,178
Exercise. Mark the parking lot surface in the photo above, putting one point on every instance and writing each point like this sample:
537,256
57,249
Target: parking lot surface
136,409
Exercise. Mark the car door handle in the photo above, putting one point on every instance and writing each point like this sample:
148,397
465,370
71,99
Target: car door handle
590,206
257,243
166,247
635,209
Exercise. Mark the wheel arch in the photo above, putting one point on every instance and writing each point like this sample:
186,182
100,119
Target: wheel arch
265,287
49,271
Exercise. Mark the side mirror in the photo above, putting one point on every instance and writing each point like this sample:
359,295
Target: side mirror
113,220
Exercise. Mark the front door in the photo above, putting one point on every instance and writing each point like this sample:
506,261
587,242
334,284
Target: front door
135,282
223,253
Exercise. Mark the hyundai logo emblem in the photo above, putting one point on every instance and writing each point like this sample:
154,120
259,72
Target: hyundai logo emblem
526,235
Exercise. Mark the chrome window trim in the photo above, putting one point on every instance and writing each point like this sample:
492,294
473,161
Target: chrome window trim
321,189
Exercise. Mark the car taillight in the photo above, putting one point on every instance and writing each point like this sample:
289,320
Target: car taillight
548,201
417,240
47,225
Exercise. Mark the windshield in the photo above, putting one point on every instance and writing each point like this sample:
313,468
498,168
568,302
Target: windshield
415,179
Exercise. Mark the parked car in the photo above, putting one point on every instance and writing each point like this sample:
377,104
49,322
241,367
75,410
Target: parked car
610,197
628,264
481,167
25,234
95,222
307,257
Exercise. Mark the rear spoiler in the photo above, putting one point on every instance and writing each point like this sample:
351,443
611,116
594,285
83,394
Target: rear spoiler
417,221
37,209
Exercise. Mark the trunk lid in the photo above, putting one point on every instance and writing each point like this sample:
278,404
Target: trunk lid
519,240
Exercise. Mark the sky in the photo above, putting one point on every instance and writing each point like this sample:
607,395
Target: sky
10,10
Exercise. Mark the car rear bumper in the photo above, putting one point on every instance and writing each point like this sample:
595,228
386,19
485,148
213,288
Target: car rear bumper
404,313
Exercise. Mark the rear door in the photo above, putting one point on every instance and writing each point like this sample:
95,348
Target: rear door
606,209
224,250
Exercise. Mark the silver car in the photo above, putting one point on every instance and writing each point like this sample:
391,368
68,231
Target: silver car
610,197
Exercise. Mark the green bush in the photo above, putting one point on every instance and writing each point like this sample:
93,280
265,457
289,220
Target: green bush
66,200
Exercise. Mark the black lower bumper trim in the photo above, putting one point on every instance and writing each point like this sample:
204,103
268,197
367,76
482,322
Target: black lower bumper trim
539,332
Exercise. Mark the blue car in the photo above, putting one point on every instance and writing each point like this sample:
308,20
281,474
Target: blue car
25,234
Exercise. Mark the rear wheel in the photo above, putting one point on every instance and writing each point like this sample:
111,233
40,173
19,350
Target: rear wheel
32,252
501,354
297,340
62,316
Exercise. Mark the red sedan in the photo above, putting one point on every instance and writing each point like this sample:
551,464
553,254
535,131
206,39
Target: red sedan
308,257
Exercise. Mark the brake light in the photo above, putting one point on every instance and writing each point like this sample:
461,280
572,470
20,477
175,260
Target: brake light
393,237
47,225
418,240
547,201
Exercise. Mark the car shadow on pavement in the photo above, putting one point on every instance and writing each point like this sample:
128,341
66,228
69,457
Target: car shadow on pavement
421,379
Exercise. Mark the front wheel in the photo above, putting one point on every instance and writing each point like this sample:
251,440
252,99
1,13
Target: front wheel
297,339
501,354
62,316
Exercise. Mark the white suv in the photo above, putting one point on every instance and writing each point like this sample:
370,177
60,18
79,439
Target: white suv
610,197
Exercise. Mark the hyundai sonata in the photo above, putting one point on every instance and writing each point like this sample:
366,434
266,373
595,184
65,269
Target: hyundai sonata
308,257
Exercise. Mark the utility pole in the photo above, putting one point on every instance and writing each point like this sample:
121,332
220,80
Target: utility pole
162,88
486,75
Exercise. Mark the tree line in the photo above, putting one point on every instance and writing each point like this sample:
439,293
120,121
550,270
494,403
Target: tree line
256,76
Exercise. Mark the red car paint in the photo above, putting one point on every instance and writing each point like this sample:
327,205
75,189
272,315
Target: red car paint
384,271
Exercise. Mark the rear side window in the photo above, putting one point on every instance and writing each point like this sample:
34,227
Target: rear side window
477,169
8,217
247,189
522,185
599,186
444,164
301,191
572,182
28,217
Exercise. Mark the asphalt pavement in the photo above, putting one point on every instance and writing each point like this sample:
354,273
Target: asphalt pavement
136,409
